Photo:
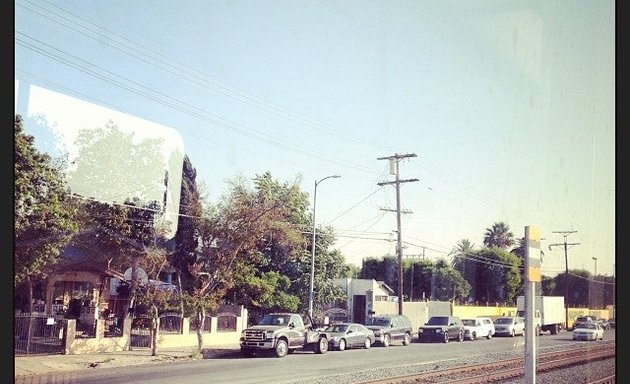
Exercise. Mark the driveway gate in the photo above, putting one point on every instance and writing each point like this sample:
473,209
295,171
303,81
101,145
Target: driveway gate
141,332
39,334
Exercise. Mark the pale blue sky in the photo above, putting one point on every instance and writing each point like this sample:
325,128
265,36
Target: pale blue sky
508,105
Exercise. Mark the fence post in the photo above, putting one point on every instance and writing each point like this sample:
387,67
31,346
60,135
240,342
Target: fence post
127,332
70,329
100,328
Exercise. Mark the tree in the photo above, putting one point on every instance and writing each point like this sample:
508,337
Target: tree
418,273
188,223
447,283
498,235
579,284
461,254
498,275
44,213
235,235
381,269
288,253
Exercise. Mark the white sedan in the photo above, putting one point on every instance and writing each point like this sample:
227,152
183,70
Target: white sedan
588,331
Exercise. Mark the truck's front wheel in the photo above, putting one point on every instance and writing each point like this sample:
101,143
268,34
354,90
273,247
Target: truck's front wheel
282,348
322,345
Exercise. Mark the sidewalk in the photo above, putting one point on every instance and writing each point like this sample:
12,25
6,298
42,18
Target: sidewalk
34,366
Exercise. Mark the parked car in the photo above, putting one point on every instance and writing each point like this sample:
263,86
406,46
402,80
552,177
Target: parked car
588,331
581,320
388,328
442,328
349,335
604,324
478,327
509,326
612,322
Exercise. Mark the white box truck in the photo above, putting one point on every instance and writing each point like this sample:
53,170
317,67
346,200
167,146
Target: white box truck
549,312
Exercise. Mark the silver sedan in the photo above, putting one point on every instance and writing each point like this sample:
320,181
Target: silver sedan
349,335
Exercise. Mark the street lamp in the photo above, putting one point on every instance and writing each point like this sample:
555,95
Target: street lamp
310,291
595,260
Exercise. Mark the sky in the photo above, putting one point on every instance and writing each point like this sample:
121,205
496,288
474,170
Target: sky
506,108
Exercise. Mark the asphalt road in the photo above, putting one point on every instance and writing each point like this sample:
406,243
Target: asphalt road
302,365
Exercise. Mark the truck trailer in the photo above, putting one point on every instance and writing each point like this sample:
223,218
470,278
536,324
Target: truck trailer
549,313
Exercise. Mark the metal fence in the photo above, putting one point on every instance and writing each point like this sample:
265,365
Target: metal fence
171,322
141,332
39,334
113,327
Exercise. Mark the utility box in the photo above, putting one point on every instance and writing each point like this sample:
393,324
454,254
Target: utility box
549,313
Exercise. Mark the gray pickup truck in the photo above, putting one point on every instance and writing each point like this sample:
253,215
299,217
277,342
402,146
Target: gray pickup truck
281,333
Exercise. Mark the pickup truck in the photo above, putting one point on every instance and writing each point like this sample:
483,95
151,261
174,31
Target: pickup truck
282,333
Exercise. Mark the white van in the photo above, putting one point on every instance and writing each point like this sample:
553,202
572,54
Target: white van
478,327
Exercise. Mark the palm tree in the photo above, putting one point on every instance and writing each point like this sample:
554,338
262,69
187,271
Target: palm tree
460,252
499,236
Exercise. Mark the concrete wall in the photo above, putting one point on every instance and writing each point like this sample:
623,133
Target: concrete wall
187,339
467,312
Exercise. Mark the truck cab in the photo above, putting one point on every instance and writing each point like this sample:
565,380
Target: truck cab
282,333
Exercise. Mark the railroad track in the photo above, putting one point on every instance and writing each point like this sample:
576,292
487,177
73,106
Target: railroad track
509,369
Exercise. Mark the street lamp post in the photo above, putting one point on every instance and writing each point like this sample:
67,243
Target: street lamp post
595,260
310,291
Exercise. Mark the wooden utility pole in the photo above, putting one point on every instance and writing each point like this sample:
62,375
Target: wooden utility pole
394,170
566,273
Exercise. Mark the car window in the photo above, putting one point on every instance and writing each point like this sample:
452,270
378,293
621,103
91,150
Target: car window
378,321
438,320
336,328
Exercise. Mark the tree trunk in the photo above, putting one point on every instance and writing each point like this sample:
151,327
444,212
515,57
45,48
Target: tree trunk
133,286
201,316
29,304
181,298
154,329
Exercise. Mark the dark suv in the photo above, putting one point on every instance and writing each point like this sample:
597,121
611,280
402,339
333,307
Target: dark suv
388,328
442,328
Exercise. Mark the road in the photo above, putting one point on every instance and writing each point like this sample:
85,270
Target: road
302,365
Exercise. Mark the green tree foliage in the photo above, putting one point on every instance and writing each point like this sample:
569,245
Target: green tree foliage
461,256
188,225
439,281
246,228
497,275
44,213
105,234
288,252
499,235
548,286
579,282
447,283
381,269
418,275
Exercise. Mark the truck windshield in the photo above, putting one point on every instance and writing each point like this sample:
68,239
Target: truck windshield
274,320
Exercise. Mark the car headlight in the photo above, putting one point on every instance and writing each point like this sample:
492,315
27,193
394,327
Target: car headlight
420,330
268,335
439,330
